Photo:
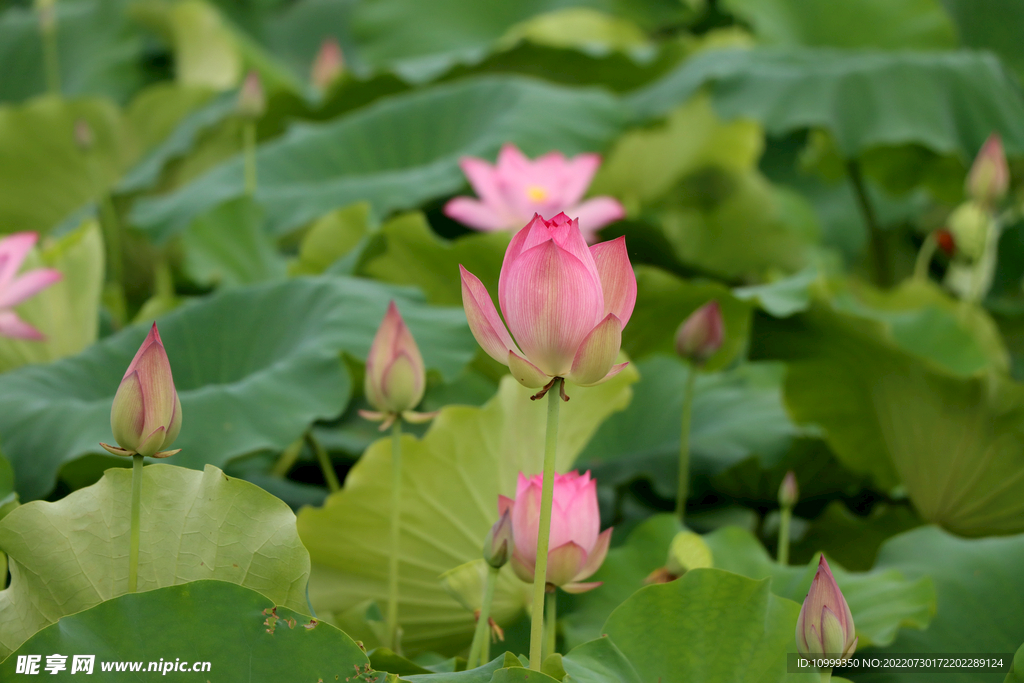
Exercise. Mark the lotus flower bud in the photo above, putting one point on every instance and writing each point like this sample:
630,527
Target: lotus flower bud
252,101
328,65
687,551
989,177
969,225
146,415
825,625
499,543
789,492
395,375
702,334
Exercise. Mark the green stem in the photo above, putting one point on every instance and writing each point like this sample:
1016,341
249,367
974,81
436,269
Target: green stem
683,489
544,527
288,457
133,552
51,58
786,516
325,462
881,261
249,155
551,628
924,257
826,675
482,635
396,527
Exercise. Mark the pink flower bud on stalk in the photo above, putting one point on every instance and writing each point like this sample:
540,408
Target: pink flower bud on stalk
328,66
565,304
989,177
146,414
577,547
252,101
13,290
789,492
500,542
701,335
515,189
825,625
395,375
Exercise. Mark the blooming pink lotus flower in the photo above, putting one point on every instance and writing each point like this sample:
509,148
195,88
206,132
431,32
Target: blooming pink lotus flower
825,625
565,304
989,177
146,414
577,546
13,290
516,188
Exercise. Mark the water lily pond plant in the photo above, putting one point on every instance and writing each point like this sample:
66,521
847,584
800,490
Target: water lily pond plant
453,342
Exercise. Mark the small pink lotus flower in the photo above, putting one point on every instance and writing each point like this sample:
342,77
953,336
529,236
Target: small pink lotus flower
328,65
577,545
701,334
13,290
989,177
825,625
565,305
146,414
516,188
395,375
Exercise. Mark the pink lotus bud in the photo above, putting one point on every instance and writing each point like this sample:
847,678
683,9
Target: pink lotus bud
328,65
499,542
565,304
989,177
577,544
517,188
789,492
825,625
252,101
702,334
13,290
146,415
395,374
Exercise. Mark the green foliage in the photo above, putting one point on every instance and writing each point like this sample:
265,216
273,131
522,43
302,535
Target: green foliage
451,479
228,247
71,555
239,631
253,366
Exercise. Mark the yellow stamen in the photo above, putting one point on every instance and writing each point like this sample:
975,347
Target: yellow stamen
536,193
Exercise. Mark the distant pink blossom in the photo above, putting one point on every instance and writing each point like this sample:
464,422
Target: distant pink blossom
516,188
13,290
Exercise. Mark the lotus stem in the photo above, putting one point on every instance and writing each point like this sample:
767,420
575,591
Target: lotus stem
785,517
249,157
683,489
544,528
133,551
325,463
478,652
51,58
552,624
877,240
396,518
924,257
826,675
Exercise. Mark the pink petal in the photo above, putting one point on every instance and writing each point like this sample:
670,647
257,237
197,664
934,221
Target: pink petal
577,173
28,285
583,517
565,232
504,504
483,178
596,213
551,301
534,233
154,372
595,558
525,372
476,214
618,281
483,319
616,369
152,338
576,587
14,327
564,562
523,567
13,250
511,161
597,353
526,521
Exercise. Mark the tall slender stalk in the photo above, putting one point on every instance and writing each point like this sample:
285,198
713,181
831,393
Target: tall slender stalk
883,276
544,528
924,257
133,551
396,519
51,58
249,157
551,628
325,462
482,635
683,489
785,517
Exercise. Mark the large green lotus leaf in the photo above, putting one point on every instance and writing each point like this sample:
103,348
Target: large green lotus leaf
980,591
736,414
243,636
994,25
888,24
695,629
644,164
44,173
955,443
67,312
98,48
948,102
73,554
409,253
664,301
1016,674
598,661
451,479
333,236
853,540
398,152
253,367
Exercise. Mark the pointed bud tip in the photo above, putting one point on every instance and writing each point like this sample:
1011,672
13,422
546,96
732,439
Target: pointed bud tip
789,492
701,335
252,100
989,178
328,66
